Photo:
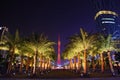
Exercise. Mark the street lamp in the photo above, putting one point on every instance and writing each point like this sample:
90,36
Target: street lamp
4,29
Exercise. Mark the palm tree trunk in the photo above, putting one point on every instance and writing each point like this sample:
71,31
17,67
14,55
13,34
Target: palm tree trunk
74,62
44,64
9,66
102,62
93,63
85,62
20,69
49,64
110,63
40,63
34,65
78,61
10,62
70,63
27,64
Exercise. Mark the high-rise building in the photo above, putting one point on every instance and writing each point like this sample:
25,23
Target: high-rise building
107,20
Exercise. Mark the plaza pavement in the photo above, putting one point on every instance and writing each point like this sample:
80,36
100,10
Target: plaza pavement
65,75
111,78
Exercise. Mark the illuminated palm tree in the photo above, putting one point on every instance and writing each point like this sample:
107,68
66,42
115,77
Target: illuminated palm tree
69,54
107,46
93,52
12,42
27,50
74,49
101,50
40,45
81,43
46,48
24,50
49,57
85,42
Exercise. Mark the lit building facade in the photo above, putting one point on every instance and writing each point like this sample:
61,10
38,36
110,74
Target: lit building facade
107,22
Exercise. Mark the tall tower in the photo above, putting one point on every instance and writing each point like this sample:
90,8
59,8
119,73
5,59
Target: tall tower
58,57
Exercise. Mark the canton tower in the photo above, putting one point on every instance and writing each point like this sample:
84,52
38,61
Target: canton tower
58,57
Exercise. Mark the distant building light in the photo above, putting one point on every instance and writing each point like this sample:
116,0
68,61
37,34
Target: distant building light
108,22
105,12
108,19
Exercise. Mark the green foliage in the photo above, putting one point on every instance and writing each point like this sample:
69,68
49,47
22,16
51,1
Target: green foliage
41,44
78,43
105,44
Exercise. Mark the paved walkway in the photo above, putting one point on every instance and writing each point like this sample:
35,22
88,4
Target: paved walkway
64,75
112,78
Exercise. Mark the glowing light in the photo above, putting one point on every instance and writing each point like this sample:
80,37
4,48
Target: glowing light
58,60
59,67
108,22
105,12
3,48
0,28
108,19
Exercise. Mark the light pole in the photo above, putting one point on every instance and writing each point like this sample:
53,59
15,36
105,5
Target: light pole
4,29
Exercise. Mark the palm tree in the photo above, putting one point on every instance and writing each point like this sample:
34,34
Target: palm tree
101,50
82,42
107,46
93,52
69,54
73,49
12,44
24,50
40,45
85,42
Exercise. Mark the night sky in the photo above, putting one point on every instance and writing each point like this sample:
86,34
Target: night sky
52,17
